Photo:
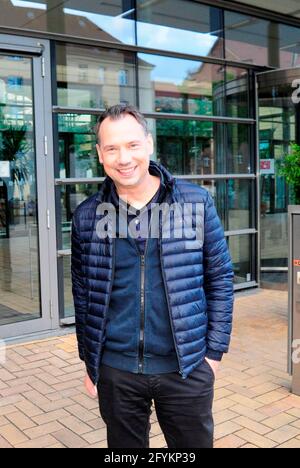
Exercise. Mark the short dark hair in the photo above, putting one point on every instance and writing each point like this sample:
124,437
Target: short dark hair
118,112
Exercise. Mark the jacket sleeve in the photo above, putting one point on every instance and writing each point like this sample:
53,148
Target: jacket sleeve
79,290
218,284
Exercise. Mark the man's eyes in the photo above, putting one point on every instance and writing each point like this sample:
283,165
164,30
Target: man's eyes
114,150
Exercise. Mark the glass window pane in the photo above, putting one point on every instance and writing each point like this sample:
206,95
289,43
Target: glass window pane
289,46
274,240
236,92
239,151
178,86
188,87
240,250
247,38
70,197
111,21
189,147
277,280
92,77
180,26
261,42
77,151
233,201
239,209
68,310
288,7
278,120
19,242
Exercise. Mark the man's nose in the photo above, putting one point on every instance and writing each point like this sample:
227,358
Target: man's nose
124,157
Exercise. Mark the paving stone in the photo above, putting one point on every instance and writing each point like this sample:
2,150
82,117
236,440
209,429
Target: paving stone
43,401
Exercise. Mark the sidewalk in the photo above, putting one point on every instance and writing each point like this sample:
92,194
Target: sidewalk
43,402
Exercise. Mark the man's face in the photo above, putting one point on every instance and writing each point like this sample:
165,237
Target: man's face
125,150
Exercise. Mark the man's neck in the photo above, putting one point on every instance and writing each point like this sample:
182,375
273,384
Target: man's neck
139,196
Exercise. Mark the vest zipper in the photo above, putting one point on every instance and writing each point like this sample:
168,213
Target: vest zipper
142,304
142,312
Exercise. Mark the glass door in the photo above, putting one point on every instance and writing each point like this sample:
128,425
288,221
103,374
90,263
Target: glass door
25,251
278,126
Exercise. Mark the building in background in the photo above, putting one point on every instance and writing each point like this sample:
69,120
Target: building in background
215,79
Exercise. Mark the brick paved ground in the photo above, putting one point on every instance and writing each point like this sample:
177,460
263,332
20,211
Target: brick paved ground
43,403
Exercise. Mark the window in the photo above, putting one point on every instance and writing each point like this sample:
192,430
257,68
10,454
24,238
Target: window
241,248
288,7
123,78
180,26
77,152
83,73
247,39
70,197
99,82
111,21
233,201
178,86
261,42
190,147
101,75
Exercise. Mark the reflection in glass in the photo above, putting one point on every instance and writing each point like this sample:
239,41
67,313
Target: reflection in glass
261,42
233,201
77,150
289,7
71,196
91,77
239,151
188,87
180,26
188,147
69,310
247,38
19,249
239,247
178,86
237,92
111,21
289,46
278,117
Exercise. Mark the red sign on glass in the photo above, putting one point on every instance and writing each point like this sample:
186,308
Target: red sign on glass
265,165
297,263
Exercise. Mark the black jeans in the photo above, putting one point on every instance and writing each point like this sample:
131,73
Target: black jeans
183,407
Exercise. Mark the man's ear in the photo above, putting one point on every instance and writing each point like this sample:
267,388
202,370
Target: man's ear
150,143
99,153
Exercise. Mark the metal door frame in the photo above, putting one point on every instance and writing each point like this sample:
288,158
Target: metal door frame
272,77
39,51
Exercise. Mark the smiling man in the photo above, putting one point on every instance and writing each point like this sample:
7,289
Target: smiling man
153,313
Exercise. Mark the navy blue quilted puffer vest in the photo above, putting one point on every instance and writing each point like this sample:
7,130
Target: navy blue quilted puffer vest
138,333
198,278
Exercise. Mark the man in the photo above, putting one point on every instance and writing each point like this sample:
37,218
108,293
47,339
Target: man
153,312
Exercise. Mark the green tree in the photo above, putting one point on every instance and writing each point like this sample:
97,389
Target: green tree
289,168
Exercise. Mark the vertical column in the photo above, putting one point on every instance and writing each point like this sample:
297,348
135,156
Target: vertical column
56,16
296,301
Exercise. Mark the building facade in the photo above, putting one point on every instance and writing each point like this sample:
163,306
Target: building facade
217,81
